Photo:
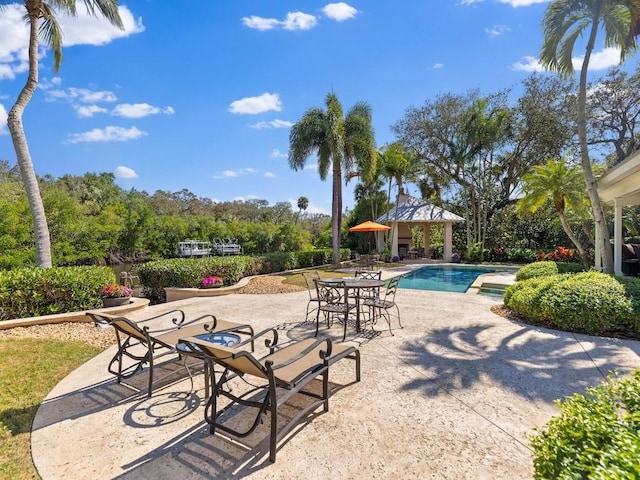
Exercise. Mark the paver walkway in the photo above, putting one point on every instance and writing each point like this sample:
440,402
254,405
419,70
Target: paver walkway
454,394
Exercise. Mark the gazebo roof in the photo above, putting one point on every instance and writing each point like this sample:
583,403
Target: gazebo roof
622,182
419,211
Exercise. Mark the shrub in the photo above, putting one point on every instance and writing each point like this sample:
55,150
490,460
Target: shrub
587,302
544,268
189,272
560,254
31,292
595,436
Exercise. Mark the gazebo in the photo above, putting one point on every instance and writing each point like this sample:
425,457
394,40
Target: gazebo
620,186
412,211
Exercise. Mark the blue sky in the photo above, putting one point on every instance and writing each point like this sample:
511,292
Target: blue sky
201,95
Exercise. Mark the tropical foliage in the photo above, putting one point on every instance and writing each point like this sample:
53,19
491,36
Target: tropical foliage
40,16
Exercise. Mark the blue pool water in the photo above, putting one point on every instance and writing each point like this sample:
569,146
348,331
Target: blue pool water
445,278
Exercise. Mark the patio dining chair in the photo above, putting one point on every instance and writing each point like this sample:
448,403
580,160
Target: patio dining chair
290,368
333,302
139,345
385,305
312,304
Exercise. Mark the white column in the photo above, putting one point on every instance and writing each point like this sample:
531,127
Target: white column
448,240
617,238
394,239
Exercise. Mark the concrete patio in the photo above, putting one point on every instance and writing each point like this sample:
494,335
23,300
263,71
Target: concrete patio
454,394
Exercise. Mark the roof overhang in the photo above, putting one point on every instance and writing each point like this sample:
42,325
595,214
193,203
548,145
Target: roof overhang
622,183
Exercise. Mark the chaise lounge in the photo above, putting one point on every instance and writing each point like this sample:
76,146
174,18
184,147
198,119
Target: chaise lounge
138,346
290,368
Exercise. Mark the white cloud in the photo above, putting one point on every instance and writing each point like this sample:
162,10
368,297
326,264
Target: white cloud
437,66
269,174
125,172
107,134
470,2
86,29
272,124
299,21
86,111
3,120
235,173
606,58
497,30
339,11
311,166
82,95
260,23
81,30
139,110
528,64
275,153
245,198
293,21
255,105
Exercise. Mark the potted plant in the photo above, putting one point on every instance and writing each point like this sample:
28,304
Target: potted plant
212,282
456,257
114,295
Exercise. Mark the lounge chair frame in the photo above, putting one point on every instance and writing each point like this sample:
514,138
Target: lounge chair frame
291,368
153,344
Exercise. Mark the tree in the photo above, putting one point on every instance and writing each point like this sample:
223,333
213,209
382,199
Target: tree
614,114
341,142
564,22
303,204
560,184
36,11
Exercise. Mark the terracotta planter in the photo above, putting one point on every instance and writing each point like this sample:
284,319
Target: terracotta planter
115,302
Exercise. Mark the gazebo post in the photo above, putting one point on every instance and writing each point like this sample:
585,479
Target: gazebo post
448,240
617,237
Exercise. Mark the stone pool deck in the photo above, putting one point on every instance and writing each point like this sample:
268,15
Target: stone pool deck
452,395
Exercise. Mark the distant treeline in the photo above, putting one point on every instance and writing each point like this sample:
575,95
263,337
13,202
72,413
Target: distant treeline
94,221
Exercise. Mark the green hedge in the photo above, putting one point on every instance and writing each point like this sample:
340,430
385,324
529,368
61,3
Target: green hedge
587,302
545,268
31,292
595,436
189,272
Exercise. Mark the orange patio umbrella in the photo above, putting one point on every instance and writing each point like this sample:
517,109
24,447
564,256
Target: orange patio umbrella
369,226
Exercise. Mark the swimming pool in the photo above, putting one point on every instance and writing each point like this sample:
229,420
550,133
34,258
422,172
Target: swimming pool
443,278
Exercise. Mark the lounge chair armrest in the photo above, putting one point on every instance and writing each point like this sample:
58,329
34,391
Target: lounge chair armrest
270,343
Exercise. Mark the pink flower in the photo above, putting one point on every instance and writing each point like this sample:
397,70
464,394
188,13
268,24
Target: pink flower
114,290
213,280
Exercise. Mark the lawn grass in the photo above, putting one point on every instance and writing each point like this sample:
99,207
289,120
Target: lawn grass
29,369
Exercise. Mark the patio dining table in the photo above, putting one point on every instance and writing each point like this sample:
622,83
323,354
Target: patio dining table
357,284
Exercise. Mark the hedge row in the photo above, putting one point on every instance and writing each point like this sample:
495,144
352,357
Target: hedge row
31,292
588,302
545,268
189,273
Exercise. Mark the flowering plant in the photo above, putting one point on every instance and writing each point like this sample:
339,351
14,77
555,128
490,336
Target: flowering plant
114,290
211,281
456,257
395,258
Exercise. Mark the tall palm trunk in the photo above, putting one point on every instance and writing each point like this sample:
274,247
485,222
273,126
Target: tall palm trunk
14,122
590,180
337,208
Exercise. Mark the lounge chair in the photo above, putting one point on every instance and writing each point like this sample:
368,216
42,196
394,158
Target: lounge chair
290,368
138,345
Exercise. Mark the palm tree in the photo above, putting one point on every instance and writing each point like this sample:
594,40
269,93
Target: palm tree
341,142
564,22
36,11
303,204
561,184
